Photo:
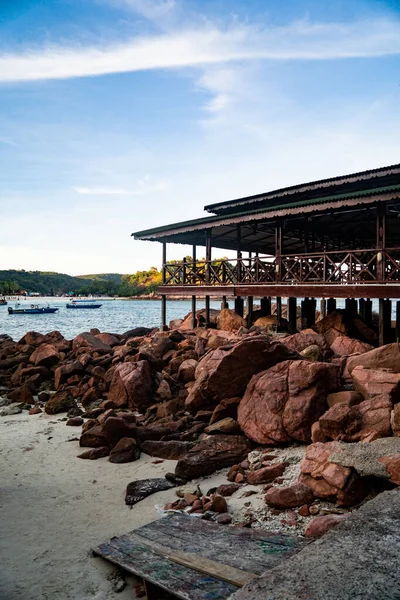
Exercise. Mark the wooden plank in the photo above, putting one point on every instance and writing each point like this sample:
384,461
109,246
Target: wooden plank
185,583
206,566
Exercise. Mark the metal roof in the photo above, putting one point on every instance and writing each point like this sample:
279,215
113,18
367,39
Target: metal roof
285,209
304,187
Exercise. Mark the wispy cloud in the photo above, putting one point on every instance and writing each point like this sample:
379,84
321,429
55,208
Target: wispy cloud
151,9
143,187
298,41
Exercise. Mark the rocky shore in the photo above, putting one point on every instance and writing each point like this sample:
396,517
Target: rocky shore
295,430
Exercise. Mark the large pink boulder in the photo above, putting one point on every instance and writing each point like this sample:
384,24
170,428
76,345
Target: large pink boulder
339,323
304,339
228,320
366,421
375,382
225,372
290,496
132,385
344,346
45,355
283,402
90,343
385,357
108,338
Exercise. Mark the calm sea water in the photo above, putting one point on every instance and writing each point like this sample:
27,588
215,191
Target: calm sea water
115,316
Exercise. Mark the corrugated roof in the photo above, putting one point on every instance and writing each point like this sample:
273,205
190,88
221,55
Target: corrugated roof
315,185
192,224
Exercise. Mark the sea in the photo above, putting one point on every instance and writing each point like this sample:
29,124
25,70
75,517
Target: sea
114,316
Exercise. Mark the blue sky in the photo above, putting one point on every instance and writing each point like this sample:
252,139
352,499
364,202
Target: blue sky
120,115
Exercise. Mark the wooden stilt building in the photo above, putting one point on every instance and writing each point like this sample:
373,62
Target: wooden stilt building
328,239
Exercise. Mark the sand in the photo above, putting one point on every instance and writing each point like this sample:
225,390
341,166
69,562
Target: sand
55,507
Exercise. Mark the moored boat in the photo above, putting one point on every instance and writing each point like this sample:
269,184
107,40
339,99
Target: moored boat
83,304
3,302
34,309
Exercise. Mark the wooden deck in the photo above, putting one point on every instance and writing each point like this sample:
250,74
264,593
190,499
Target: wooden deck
195,559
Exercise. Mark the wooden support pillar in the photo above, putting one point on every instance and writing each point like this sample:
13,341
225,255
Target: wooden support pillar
308,307
292,314
322,308
224,303
208,255
239,306
368,312
208,319
351,306
193,321
249,311
385,321
164,326
239,254
361,308
381,240
194,269
330,305
398,321
278,250
265,306
278,313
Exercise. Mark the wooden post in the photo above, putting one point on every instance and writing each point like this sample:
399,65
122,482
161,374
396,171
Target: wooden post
385,321
194,268
239,306
381,240
224,303
239,254
398,321
292,314
330,305
322,308
164,261
265,305
208,319
351,306
163,296
278,313
249,311
193,321
368,312
308,307
208,256
278,250
361,308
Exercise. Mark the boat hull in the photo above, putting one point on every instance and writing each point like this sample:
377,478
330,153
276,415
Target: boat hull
31,311
84,305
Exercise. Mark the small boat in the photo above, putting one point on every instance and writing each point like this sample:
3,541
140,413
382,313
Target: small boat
3,302
34,309
83,304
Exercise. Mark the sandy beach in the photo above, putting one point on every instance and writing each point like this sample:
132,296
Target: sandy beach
55,508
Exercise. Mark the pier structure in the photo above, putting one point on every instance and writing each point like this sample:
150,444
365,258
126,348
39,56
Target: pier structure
328,239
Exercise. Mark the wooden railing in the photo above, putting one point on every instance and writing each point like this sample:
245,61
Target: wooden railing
338,267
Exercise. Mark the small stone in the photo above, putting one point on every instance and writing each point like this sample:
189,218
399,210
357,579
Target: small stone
35,410
218,504
304,511
74,422
190,498
314,509
227,489
239,478
95,453
224,519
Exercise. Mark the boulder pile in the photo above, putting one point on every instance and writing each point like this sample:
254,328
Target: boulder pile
207,397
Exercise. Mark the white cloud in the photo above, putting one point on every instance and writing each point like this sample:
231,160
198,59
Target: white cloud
101,191
298,41
151,9
143,187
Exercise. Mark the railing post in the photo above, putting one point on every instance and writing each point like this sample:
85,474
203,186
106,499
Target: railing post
208,256
163,296
278,251
184,271
164,261
381,241
239,254
194,265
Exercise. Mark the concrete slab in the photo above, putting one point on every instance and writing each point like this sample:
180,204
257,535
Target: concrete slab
358,560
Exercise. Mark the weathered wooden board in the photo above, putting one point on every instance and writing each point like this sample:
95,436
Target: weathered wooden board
164,553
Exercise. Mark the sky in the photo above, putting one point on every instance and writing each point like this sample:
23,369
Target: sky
122,115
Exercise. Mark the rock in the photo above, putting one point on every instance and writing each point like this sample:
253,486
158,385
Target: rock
266,474
22,394
347,398
218,504
283,402
227,489
108,339
341,322
212,453
228,320
364,422
226,408
225,372
45,355
164,391
66,370
137,332
116,428
93,438
90,343
132,385
321,525
11,409
59,402
224,519
170,450
267,323
35,410
384,357
124,451
395,420
375,382
304,511
227,426
290,496
139,490
305,339
187,370
344,346
312,353
74,422
95,453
